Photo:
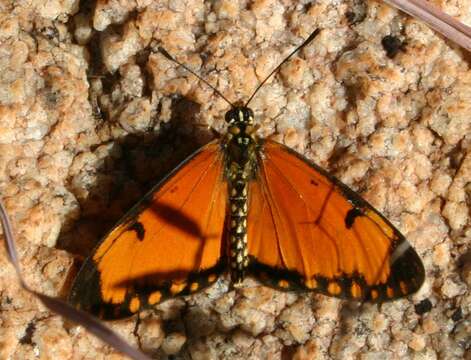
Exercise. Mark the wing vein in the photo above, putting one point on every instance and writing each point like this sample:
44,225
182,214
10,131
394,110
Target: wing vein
203,174
214,195
308,207
266,191
269,194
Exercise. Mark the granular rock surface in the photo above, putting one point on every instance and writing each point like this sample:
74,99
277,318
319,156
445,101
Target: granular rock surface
91,116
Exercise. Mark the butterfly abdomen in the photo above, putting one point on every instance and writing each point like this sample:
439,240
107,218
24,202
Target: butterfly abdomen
238,203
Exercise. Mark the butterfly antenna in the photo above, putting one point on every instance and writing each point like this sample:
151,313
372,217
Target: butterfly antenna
307,41
171,58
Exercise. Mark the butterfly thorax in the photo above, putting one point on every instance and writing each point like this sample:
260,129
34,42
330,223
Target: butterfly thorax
240,151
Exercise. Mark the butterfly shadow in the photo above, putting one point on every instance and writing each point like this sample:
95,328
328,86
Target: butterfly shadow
133,164
154,280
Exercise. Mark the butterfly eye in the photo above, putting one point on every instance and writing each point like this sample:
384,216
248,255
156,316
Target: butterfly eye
248,115
231,116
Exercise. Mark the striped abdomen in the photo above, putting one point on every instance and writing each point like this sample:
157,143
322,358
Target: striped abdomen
238,203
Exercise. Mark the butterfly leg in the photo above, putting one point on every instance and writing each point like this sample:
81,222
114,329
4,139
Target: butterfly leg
136,329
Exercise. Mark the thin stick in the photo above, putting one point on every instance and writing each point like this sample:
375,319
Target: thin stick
443,23
62,308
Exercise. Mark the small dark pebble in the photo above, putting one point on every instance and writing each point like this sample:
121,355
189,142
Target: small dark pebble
423,307
457,315
392,45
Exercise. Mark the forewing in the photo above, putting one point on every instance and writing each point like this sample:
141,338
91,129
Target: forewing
307,230
168,244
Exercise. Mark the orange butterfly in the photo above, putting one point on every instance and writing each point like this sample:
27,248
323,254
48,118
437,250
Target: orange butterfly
254,207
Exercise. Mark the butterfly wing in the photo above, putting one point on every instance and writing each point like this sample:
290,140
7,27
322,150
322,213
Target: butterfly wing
307,230
169,244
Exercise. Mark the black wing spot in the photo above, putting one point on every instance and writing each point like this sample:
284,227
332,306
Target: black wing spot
352,214
314,182
139,229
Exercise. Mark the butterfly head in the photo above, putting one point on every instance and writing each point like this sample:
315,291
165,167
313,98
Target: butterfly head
240,120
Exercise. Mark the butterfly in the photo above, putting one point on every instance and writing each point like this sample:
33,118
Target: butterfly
252,207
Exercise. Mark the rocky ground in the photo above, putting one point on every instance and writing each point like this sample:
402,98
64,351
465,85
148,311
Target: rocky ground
91,116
